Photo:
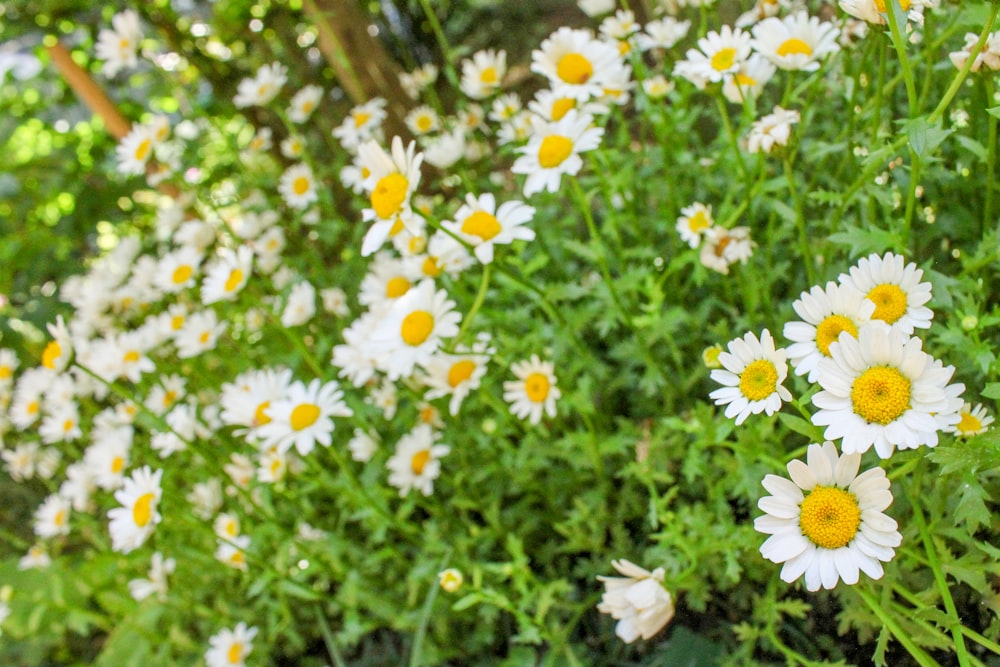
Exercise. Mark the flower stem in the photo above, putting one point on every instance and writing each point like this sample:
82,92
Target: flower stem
800,222
476,304
328,639
425,617
991,159
897,632
734,142
899,43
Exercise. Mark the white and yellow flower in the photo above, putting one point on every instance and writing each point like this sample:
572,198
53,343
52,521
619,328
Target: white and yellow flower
118,47
718,56
972,420
52,517
825,313
304,417
554,150
483,74
304,103
796,42
416,461
133,522
576,63
752,373
482,224
534,392
693,222
230,648
637,600
227,275
391,181
262,87
896,290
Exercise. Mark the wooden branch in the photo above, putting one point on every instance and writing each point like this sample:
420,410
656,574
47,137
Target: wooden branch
88,91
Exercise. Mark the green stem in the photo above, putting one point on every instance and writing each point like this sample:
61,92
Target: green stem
893,13
897,632
476,305
991,159
734,141
328,639
981,640
442,41
602,262
935,566
800,222
425,617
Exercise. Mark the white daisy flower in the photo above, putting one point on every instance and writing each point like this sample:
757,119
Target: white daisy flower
412,329
482,224
657,86
718,54
638,601
297,186
362,446
61,425
36,558
416,462
355,357
226,526
422,77
272,466
795,42
134,150
534,391
662,33
825,314
771,130
693,222
227,275
292,147
361,124
301,305
749,80
263,87
874,11
178,269
304,103
422,120
52,517
198,333
388,278
391,181
233,551
334,301
827,522
724,247
118,47
554,150
446,149
752,373
896,290
972,420
230,648
482,75
304,417
108,456
576,63
455,375
133,523
156,582
881,389
8,364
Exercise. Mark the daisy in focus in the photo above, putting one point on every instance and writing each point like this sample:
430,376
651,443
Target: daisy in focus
882,389
795,42
416,462
133,523
534,391
230,648
482,75
576,63
718,56
825,314
895,289
752,372
827,522
391,181
456,375
305,417
554,150
480,223
637,600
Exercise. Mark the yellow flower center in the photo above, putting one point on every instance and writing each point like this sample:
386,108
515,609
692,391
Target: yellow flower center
745,80
880,395
300,185
794,47
536,386
397,287
117,464
142,150
275,467
425,123
168,398
417,326
881,6
389,195
561,107
430,267
182,274
303,416
142,511
698,222
759,380
828,331
68,425
969,424
574,68
131,357
460,372
481,224
5,372
724,59
234,280
488,75
890,302
260,414
60,518
307,106
554,149
204,337
830,517
360,118
51,353
419,461
237,559
235,653
32,407
176,322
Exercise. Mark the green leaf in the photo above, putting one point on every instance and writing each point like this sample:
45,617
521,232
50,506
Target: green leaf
992,390
866,241
971,509
994,111
801,426
924,138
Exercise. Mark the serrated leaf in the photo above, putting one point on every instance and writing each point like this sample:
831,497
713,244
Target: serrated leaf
866,241
971,509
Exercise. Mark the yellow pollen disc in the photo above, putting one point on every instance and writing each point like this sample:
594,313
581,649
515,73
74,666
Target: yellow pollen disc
360,118
303,416
794,47
124,43
890,302
481,224
745,80
365,172
234,280
828,331
698,222
389,195
238,558
230,528
131,356
176,322
554,149
624,47
260,416
460,372
830,517
275,467
263,89
561,107
142,511
430,267
300,185
880,5
142,150
51,353
32,407
235,653
203,338
397,287
182,274
574,68
420,460
416,327
428,414
169,398
417,244
68,425
969,423
60,518
880,395
5,372
307,106
724,59
488,75
424,123
117,464
536,386
759,380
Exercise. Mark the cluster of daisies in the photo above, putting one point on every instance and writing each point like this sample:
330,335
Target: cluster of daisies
878,389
